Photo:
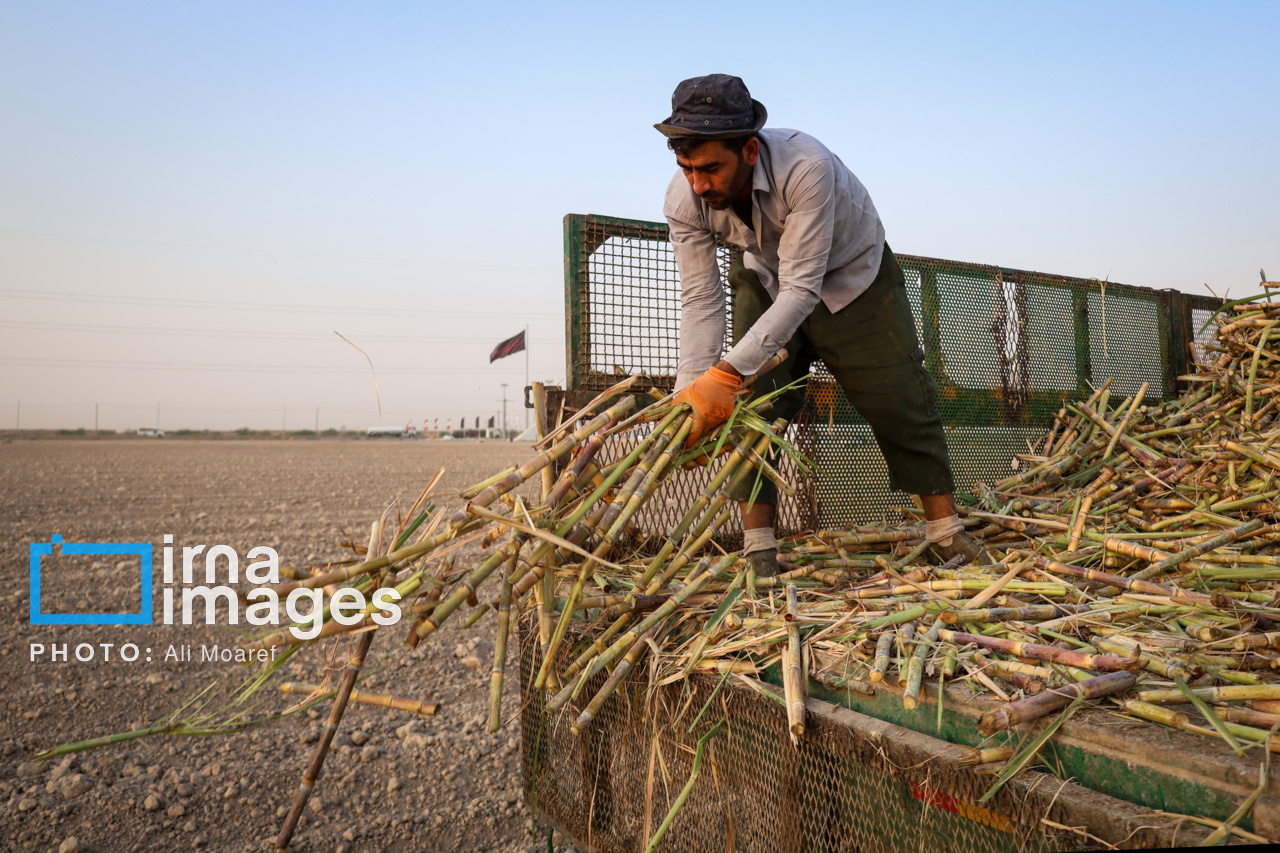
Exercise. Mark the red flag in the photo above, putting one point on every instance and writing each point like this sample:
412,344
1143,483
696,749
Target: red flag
510,346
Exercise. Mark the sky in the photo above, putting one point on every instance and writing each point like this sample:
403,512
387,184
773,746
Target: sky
195,196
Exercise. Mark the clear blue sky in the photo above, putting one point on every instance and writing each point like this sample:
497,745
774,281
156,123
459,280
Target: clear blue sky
228,179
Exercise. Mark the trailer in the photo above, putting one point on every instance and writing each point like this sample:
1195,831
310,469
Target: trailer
707,762
866,775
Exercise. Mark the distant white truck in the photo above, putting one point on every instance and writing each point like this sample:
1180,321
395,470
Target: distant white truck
392,432
151,432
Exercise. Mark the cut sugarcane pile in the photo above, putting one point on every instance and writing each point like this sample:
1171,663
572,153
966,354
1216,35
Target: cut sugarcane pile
1136,564
1136,559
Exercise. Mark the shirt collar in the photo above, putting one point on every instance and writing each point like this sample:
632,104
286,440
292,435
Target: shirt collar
760,182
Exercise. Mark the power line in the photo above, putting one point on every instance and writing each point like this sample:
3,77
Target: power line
226,333
242,368
264,407
165,302
280,253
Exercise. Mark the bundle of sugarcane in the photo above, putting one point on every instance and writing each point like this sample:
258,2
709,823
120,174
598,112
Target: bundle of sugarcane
1162,520
563,551
1173,504
1135,555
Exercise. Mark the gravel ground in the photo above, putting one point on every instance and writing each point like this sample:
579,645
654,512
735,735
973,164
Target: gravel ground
393,781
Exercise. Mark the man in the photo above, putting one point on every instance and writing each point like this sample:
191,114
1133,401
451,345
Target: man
816,277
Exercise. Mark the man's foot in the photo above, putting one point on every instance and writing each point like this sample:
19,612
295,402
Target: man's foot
961,545
764,563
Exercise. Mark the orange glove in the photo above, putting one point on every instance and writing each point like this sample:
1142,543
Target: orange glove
711,397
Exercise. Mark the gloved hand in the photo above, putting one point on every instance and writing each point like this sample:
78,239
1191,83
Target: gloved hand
711,398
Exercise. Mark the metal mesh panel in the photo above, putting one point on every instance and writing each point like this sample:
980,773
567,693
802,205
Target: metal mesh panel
624,316
842,790
1199,318
660,514
1007,348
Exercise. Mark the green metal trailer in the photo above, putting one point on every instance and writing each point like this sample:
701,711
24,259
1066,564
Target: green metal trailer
867,775
1008,348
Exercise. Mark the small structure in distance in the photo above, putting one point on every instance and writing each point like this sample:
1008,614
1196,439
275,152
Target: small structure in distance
408,431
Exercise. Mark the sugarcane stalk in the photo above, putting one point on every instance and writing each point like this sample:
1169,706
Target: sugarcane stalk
547,457
1031,613
1035,651
381,700
1119,645
988,755
312,774
884,646
1031,750
1222,728
700,579
1124,423
1228,693
475,489
500,654
538,392
792,675
1122,582
915,666
693,540
1043,704
1253,373
1079,517
771,473
615,678
394,558
1180,469
465,589
574,471
643,454
1248,716
1142,453
902,642
712,625
684,792
1192,551
1251,453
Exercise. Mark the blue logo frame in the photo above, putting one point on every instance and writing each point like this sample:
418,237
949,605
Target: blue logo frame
142,549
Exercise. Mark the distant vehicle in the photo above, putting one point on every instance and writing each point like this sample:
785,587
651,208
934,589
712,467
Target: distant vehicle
392,432
151,432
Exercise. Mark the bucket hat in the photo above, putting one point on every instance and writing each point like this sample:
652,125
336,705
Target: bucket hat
717,106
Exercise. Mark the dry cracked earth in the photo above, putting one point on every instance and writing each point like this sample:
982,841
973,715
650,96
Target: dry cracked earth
394,780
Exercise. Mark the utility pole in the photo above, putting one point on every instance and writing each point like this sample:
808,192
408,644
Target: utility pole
504,410
18,425
317,420
526,372
157,416
95,417
284,414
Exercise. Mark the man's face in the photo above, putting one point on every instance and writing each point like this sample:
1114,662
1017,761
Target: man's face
719,176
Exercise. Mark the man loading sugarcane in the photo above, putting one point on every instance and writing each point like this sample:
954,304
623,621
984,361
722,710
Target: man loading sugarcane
817,277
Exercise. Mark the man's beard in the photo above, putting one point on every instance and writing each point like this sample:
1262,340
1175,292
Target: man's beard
722,201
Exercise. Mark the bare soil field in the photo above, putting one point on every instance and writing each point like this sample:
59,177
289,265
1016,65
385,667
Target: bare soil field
440,783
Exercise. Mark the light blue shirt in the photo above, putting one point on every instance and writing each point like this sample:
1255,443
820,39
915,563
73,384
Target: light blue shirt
816,235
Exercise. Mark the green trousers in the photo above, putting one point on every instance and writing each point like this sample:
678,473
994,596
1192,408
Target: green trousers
872,350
